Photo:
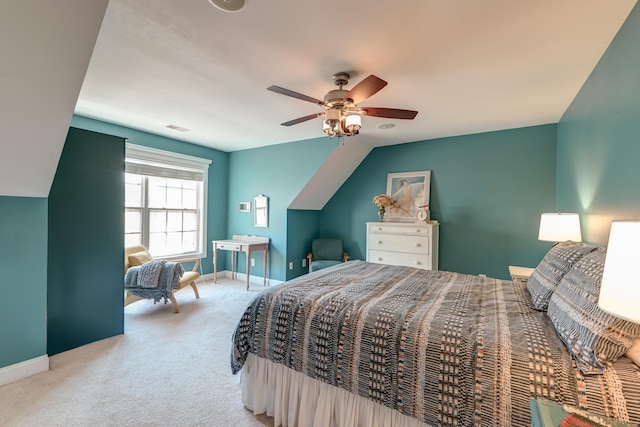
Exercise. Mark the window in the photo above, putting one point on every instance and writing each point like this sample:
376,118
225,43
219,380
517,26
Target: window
165,202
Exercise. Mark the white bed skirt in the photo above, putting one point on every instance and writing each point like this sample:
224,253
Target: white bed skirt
295,400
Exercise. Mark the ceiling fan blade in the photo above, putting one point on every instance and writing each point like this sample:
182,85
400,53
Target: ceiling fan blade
302,119
365,89
390,113
283,91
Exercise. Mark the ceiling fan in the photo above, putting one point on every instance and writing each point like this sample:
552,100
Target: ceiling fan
342,114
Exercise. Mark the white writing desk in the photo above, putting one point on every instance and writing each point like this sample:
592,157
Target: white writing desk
246,244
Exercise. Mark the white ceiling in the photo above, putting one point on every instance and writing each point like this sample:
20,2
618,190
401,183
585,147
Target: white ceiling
465,66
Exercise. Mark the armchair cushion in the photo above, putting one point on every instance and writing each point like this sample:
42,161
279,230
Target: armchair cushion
139,258
322,263
188,277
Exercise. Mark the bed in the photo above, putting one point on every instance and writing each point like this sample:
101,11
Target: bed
371,344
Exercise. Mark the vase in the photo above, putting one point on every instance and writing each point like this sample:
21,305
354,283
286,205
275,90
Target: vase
381,215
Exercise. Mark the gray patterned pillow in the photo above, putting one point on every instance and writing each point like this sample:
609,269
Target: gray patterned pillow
552,268
594,338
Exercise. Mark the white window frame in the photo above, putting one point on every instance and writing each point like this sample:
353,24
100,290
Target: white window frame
181,162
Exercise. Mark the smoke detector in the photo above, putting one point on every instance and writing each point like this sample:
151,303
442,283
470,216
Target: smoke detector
229,5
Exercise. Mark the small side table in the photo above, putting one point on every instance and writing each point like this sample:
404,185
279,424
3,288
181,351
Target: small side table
246,244
520,273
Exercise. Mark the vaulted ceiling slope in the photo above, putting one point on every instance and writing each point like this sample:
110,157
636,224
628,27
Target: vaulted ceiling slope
46,48
466,67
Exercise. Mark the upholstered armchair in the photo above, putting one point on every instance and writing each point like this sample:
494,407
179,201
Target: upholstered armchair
138,255
325,253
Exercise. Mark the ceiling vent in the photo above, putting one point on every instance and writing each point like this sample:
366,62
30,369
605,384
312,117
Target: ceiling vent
178,128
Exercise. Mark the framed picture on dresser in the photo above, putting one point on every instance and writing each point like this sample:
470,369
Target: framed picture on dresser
410,191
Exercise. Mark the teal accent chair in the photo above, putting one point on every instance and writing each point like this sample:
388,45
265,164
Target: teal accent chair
325,253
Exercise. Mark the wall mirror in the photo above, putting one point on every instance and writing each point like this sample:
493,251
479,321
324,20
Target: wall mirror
261,211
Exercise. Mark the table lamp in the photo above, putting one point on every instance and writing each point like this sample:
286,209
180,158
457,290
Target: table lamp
620,288
559,227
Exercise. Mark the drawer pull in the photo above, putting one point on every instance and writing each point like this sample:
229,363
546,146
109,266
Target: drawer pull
379,242
417,262
418,245
379,228
379,258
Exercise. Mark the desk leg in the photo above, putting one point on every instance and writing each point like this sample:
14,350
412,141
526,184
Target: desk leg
234,273
264,273
248,269
215,264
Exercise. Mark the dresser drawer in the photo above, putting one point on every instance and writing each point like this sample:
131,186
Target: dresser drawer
400,258
399,243
404,230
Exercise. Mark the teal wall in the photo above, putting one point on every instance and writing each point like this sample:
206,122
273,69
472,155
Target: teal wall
599,139
218,175
487,192
23,282
85,289
302,227
278,172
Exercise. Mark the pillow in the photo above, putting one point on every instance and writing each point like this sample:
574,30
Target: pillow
594,338
552,268
634,353
139,258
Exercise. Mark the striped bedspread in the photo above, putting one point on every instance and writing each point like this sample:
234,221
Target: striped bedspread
446,348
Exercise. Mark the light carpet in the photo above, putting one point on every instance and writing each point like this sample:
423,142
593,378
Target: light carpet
166,370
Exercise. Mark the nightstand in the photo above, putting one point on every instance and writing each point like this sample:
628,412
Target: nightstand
520,273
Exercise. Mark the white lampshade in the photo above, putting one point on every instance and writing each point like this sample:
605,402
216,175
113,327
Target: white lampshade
620,289
332,116
353,120
560,227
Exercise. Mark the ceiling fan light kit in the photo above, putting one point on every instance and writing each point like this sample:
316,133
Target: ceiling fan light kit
343,117
337,123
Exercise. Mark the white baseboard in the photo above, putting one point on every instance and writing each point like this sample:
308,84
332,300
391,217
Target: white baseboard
206,278
24,369
258,280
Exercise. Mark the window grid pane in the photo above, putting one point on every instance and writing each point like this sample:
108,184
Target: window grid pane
157,221
133,190
189,198
133,221
174,221
174,198
132,239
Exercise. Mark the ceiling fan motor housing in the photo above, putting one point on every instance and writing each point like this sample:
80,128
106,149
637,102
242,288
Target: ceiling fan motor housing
335,98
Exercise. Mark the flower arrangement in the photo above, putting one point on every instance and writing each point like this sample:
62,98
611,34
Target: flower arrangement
382,201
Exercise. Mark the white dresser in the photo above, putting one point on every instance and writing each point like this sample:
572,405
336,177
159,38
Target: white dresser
400,243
